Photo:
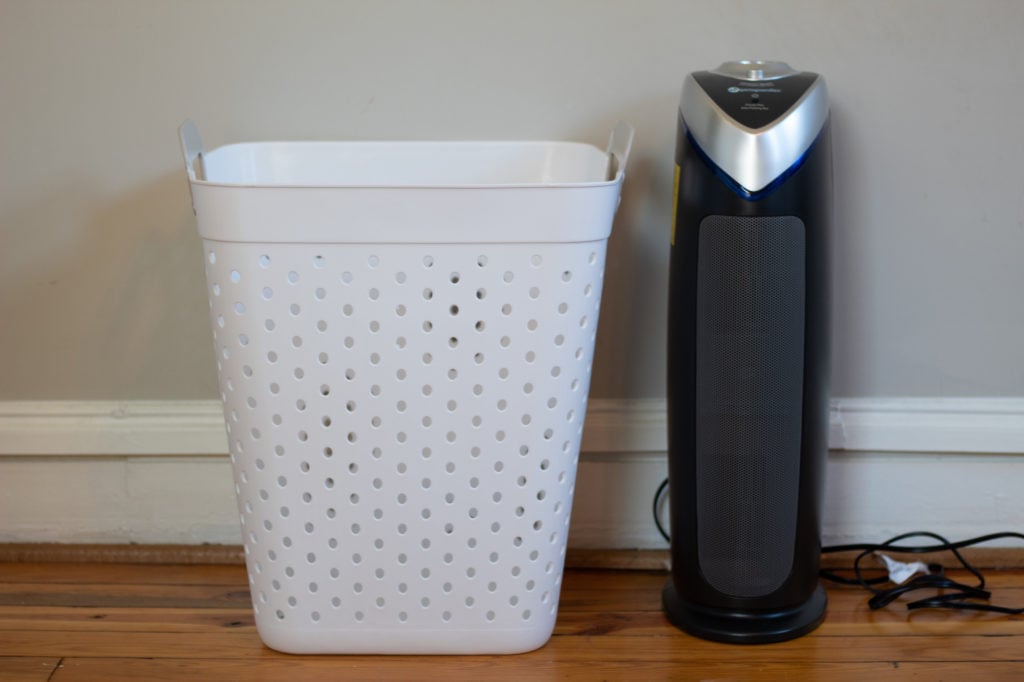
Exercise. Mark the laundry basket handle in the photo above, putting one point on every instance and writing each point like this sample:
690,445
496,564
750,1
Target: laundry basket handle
619,145
191,147
192,150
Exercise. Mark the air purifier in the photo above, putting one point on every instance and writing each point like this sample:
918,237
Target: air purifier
748,352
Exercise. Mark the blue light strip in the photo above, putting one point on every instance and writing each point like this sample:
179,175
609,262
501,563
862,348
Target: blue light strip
739,189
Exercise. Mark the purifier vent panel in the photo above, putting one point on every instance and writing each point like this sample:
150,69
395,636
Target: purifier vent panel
749,390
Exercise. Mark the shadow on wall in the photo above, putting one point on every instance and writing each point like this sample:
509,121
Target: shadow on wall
629,358
105,298
850,349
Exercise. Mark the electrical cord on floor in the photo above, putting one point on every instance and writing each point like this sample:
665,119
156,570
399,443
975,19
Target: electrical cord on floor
962,596
657,516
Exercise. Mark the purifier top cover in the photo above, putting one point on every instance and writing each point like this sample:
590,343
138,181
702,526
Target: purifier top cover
754,120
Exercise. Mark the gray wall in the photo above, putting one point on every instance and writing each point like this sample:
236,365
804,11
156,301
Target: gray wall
101,291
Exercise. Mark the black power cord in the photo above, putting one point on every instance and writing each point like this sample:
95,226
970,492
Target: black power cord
962,596
657,508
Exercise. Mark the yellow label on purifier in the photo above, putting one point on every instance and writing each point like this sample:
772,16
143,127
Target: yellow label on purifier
675,203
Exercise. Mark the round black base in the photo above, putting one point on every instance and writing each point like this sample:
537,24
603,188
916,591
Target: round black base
743,627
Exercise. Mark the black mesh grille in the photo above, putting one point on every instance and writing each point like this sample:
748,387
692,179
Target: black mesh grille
749,385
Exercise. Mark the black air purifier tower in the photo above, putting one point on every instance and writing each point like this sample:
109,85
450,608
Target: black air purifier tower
748,352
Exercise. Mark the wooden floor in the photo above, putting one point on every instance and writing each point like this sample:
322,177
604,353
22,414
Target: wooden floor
63,622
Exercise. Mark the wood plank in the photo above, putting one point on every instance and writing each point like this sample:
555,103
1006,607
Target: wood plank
582,589
23,552
669,647
863,624
518,668
583,592
124,619
122,574
27,669
576,557
605,580
231,575
115,596
851,622
586,590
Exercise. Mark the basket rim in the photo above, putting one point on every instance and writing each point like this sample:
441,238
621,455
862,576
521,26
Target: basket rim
365,145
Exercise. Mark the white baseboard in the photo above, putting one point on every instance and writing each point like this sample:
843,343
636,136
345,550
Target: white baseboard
196,427
99,427
157,471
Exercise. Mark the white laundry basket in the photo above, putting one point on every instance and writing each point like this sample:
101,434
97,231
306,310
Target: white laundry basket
404,335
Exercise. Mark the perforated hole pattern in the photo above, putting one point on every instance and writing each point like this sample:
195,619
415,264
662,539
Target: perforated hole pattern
404,426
